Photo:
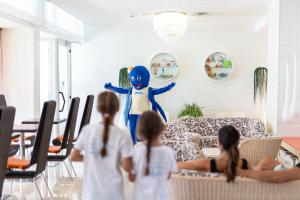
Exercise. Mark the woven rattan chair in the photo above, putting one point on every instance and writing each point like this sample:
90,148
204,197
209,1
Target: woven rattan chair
255,149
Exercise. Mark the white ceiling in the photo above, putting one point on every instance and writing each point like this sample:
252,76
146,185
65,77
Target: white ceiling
97,12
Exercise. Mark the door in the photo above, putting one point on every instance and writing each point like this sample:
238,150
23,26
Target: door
63,77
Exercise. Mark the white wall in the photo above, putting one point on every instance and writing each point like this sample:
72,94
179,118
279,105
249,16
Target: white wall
18,70
109,48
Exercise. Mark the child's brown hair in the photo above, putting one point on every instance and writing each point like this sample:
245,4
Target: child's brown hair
108,105
150,127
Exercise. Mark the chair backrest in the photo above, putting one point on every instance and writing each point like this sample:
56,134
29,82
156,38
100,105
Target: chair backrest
87,112
71,123
257,148
2,100
41,144
7,116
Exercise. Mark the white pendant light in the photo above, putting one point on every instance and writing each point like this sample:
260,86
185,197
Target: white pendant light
286,115
170,25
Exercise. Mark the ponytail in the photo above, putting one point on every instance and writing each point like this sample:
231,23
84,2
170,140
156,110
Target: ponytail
107,121
148,154
108,106
232,163
149,128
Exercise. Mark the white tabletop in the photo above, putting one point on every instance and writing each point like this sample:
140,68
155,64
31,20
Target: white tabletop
211,152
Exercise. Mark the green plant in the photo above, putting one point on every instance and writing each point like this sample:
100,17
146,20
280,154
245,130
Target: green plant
191,110
124,81
260,84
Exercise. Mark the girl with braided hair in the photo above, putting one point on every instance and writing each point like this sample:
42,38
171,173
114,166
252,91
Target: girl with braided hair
153,163
104,148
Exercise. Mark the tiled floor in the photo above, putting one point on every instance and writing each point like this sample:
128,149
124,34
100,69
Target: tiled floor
62,188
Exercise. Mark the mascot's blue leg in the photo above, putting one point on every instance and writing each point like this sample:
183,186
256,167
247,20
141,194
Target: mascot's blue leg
132,125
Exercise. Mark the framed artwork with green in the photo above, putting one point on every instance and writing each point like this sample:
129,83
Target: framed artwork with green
218,66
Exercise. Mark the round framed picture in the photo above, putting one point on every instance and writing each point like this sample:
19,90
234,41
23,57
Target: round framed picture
164,66
218,66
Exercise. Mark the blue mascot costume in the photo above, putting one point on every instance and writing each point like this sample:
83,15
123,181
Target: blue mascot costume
139,97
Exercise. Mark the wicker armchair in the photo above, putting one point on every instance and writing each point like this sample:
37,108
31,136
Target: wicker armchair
255,149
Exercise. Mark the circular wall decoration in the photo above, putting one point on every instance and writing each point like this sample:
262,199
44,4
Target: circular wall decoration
218,66
164,66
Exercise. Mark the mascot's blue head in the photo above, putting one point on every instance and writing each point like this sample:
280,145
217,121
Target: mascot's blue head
139,77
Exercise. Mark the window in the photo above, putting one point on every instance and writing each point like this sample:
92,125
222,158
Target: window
61,19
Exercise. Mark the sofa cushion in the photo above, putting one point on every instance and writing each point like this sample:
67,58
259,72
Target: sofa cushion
210,126
184,151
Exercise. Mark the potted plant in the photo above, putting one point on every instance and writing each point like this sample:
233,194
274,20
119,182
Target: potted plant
260,84
191,110
124,81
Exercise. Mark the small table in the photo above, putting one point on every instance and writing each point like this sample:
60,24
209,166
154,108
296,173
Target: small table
22,129
211,152
292,144
37,121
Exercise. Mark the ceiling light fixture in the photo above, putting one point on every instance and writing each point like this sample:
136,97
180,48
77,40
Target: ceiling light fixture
170,25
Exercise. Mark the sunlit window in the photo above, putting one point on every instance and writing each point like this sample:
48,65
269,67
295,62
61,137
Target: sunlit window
62,19
22,7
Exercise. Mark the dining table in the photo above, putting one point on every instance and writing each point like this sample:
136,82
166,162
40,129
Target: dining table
37,121
23,129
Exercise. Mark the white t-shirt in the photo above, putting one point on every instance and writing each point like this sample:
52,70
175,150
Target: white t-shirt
102,176
140,102
155,186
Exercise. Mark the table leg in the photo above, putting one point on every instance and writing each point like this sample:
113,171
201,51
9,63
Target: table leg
22,145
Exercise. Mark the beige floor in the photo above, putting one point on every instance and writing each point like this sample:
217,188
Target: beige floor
62,187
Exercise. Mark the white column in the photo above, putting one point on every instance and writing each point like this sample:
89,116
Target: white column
273,59
1,65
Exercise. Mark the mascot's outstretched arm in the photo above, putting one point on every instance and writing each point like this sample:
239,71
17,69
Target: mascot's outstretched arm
164,89
109,86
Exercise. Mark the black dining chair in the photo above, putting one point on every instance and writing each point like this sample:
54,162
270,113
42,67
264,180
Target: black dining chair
7,116
14,148
85,119
19,168
2,100
67,141
87,113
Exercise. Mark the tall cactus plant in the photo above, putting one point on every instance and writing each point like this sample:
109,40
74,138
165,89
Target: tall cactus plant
124,82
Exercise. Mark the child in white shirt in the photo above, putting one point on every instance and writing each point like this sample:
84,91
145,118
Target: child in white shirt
106,148
153,163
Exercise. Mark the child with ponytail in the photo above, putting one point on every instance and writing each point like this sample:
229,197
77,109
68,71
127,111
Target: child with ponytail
153,163
104,148
229,159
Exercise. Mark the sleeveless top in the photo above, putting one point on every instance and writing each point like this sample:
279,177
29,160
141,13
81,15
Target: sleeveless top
140,102
213,165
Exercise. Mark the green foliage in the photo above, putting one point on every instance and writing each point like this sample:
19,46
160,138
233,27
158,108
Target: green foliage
260,84
124,81
191,110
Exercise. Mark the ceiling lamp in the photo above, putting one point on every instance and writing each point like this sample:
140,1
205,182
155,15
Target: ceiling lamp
170,25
